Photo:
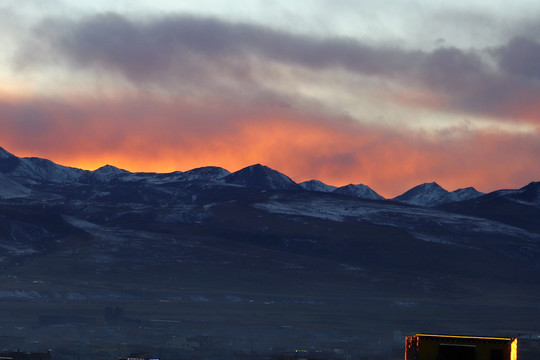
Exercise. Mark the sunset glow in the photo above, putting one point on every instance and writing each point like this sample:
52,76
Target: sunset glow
188,86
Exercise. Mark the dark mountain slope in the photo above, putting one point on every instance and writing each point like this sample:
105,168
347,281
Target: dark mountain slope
33,231
247,256
529,194
260,176
501,209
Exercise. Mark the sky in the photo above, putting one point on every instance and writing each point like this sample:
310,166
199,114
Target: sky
388,93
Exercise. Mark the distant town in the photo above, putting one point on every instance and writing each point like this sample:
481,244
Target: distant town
117,337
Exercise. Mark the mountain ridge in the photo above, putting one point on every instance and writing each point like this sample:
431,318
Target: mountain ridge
32,169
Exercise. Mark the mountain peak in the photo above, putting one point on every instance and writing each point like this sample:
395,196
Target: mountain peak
424,194
316,185
432,194
8,161
461,195
532,185
206,173
467,190
5,154
261,176
430,185
360,191
532,191
106,173
110,169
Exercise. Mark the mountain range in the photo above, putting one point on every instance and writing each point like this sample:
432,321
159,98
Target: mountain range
254,254
32,170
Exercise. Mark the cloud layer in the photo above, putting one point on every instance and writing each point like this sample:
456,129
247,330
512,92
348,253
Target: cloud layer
205,54
174,92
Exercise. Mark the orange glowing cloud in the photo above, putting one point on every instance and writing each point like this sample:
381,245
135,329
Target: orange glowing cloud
162,136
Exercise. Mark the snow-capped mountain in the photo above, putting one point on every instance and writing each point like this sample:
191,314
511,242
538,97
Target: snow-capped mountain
360,191
427,194
262,177
105,174
461,195
432,194
33,169
209,173
316,185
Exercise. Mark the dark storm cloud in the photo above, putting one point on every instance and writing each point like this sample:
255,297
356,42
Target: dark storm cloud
450,68
146,49
202,52
521,57
500,82
465,80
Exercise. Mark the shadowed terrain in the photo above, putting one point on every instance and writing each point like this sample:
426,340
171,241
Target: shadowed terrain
258,262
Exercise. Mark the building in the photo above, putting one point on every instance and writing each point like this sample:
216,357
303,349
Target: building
451,347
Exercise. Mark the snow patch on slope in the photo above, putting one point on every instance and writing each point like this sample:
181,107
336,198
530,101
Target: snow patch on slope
423,223
10,189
